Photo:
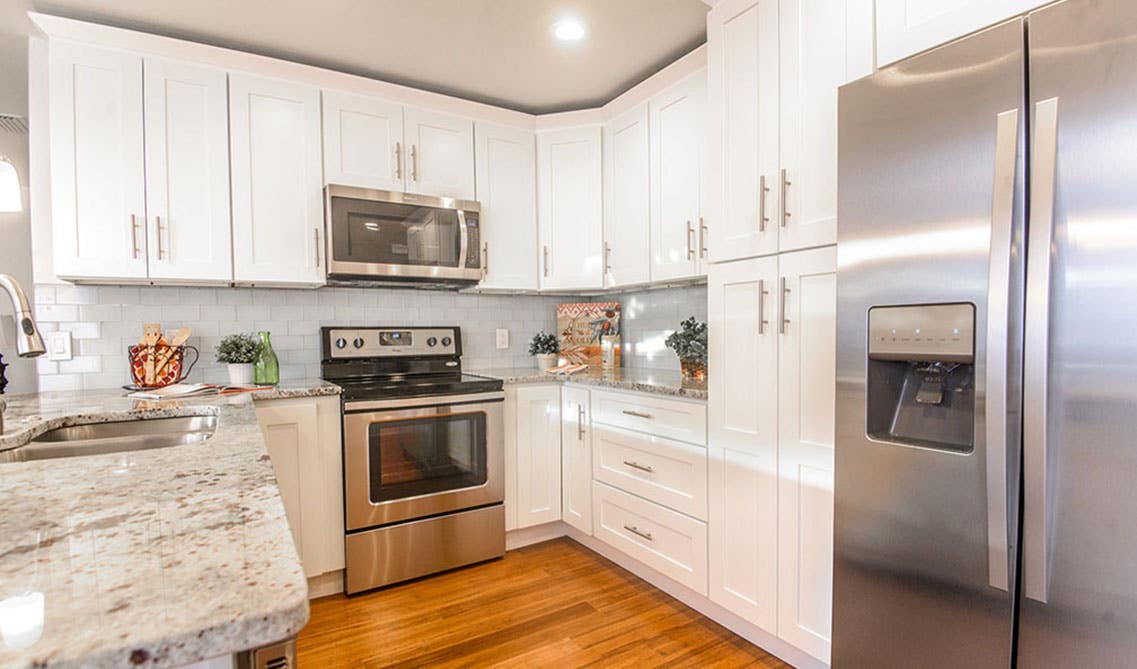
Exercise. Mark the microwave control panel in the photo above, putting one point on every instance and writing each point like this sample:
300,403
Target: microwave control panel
346,343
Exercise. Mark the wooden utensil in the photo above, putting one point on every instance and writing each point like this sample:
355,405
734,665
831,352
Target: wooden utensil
180,338
151,335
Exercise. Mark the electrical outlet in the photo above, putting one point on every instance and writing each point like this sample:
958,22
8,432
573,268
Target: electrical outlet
58,345
502,338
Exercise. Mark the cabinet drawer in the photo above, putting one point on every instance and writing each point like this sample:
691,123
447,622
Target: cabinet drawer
674,419
667,541
664,471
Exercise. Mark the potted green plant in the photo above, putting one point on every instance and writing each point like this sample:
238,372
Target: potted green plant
690,343
545,347
238,351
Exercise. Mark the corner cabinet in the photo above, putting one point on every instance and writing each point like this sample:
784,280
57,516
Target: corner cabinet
569,208
277,184
506,169
533,492
626,199
576,458
907,27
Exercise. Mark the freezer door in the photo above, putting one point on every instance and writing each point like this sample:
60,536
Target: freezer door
1079,599
930,211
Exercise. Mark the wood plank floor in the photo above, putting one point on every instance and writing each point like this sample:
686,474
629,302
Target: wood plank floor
555,604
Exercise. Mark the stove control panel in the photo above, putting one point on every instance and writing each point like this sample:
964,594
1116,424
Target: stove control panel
392,342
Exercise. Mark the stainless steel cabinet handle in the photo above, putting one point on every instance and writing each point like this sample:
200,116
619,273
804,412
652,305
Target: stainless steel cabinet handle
635,465
580,422
316,236
607,258
639,533
414,164
134,236
762,293
702,238
398,160
158,225
763,219
998,292
690,241
637,414
546,256
485,257
785,207
785,291
1036,351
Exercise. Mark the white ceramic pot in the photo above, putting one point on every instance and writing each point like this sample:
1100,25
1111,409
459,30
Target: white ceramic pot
546,361
241,374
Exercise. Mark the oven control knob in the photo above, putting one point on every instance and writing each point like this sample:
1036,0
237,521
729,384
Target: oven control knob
431,341
446,341
341,342
358,342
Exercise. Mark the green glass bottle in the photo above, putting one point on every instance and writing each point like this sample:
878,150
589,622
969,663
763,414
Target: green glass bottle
266,368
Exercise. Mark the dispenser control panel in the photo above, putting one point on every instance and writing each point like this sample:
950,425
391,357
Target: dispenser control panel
929,332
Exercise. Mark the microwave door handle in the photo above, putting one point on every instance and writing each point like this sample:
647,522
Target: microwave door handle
463,239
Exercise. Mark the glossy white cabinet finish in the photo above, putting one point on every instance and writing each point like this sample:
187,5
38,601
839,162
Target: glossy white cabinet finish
278,217
678,225
537,413
675,419
506,161
626,198
742,96
661,470
907,27
187,172
303,440
569,207
363,142
440,154
98,198
576,459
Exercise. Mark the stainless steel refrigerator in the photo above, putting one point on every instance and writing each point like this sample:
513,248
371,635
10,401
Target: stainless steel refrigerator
986,445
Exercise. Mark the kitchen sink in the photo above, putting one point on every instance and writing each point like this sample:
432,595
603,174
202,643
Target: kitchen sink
117,437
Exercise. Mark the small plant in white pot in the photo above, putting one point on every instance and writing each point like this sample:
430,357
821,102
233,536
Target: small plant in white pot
545,347
238,351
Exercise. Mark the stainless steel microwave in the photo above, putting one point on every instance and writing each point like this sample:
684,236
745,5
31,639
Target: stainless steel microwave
401,237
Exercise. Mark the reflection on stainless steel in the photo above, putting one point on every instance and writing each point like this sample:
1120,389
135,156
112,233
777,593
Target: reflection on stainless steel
116,437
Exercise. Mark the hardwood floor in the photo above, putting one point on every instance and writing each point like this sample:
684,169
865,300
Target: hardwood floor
555,604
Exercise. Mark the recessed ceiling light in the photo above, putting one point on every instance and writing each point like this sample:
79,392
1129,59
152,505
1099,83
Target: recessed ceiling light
569,30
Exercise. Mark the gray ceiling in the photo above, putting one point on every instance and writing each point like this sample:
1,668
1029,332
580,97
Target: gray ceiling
496,51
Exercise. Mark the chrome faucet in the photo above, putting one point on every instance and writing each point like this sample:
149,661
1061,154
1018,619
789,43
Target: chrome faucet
29,343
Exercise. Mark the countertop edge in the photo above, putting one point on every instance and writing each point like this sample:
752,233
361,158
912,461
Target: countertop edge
528,377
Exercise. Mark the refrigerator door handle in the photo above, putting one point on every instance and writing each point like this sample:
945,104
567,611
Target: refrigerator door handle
1036,351
998,295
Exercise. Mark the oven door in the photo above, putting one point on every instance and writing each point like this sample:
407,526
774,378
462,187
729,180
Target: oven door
375,233
412,458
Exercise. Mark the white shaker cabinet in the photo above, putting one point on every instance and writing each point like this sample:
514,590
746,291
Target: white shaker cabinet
506,163
576,459
187,172
678,225
626,199
569,207
363,142
907,27
278,216
537,413
98,196
440,154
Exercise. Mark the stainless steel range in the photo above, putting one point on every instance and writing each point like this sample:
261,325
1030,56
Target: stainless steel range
423,453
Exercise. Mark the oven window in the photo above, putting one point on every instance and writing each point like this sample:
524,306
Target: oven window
397,234
420,456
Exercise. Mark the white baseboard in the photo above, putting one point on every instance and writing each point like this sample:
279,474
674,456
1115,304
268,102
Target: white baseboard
528,536
323,585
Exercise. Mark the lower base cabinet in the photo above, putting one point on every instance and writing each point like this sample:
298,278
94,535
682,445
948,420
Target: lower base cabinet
533,446
576,459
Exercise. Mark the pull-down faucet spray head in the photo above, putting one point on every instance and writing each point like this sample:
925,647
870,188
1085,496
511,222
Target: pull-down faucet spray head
29,343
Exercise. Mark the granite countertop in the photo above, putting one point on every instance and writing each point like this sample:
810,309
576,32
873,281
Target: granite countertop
657,382
153,558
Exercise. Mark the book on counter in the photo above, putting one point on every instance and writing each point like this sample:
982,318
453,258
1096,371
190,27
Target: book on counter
193,390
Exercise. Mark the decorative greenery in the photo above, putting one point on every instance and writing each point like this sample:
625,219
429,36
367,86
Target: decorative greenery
543,343
690,341
238,349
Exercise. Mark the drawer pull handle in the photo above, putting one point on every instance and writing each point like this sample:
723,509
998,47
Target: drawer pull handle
634,530
637,414
636,465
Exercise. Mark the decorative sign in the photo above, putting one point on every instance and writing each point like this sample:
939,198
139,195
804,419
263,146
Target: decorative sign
585,328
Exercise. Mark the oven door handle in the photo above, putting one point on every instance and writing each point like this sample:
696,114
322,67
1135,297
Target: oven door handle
463,239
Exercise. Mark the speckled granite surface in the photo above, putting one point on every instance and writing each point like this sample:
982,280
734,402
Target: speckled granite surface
639,380
152,558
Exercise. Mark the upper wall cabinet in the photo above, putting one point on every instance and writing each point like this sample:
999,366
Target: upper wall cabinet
907,27
440,154
569,208
278,216
363,142
626,199
507,190
678,225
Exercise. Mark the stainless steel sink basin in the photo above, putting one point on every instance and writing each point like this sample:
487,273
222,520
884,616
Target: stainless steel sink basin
99,438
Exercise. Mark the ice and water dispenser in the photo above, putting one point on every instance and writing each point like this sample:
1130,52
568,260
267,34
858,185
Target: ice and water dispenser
921,375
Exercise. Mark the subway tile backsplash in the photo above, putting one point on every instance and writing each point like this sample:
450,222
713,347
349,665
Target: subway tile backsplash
105,320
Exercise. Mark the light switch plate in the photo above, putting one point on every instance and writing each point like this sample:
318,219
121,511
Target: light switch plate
502,338
58,345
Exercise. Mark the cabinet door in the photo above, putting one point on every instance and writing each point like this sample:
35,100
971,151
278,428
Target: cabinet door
97,181
677,223
576,459
187,172
569,207
907,27
278,220
363,142
506,160
742,95
538,454
626,199
807,374
824,44
440,154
